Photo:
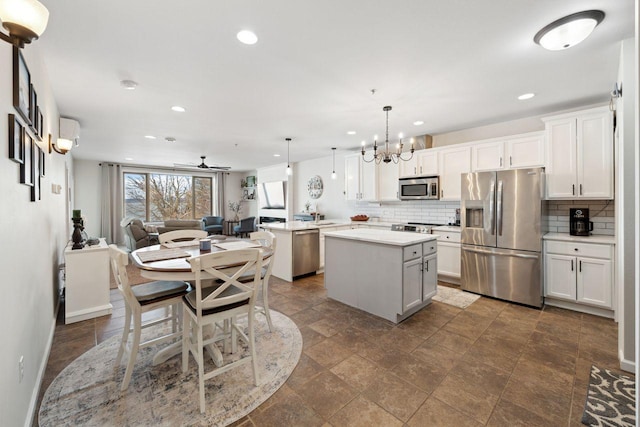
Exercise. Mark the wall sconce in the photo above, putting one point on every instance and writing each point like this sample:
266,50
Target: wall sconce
69,133
25,20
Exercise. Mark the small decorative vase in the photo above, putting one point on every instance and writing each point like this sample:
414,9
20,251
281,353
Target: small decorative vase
236,218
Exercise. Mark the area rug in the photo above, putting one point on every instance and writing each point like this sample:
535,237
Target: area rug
87,392
455,297
610,399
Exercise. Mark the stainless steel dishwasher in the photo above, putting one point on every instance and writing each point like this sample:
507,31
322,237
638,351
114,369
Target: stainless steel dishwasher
306,252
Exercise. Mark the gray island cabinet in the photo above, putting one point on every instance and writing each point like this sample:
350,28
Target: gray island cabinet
390,274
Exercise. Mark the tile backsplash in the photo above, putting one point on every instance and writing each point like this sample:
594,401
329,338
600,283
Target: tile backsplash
601,212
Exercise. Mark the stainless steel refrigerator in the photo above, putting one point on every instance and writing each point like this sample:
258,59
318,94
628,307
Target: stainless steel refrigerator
501,219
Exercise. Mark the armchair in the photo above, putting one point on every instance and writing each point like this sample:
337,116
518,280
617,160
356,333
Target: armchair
212,224
246,226
135,234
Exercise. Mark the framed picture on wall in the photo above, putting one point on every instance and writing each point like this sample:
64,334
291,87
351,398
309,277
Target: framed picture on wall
16,139
21,86
40,124
27,170
41,159
35,190
33,109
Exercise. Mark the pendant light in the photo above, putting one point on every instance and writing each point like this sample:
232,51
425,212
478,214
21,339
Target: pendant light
333,174
289,170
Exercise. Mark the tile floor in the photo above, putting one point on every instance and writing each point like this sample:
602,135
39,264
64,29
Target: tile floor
493,363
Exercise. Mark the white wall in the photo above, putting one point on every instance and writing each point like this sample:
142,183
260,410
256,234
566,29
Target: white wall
233,193
88,194
34,235
497,130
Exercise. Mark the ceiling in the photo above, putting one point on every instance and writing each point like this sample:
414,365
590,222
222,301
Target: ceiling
454,64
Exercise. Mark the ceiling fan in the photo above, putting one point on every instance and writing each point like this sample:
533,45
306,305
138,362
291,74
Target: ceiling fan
203,165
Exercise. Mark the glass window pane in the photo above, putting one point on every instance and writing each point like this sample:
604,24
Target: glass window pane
135,199
170,197
202,196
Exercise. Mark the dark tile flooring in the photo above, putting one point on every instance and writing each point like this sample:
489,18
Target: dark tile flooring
493,363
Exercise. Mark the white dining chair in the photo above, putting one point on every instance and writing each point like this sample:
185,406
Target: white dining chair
141,299
181,235
218,306
268,240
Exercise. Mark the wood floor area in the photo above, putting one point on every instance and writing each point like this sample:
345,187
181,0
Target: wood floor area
493,363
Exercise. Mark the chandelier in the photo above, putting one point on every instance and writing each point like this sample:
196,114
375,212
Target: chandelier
386,155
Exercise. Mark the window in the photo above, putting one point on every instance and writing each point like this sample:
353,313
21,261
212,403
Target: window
157,196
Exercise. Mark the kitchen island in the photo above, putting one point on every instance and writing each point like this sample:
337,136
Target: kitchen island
386,273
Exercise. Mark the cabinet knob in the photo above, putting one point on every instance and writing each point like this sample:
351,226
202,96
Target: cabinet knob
414,252
575,249
447,237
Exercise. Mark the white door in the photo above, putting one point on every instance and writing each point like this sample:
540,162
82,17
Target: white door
453,163
560,276
368,181
388,174
525,152
352,177
410,167
487,156
594,282
595,156
411,284
561,158
449,259
429,276
427,162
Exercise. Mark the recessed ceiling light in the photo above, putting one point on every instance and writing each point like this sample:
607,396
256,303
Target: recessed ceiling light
569,31
178,109
276,155
128,84
526,96
247,37
351,132
150,137
170,139
128,158
418,123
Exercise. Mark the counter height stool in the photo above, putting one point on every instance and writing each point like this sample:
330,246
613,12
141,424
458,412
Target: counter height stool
141,299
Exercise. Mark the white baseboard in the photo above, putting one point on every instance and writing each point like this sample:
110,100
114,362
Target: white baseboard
28,422
626,365
579,307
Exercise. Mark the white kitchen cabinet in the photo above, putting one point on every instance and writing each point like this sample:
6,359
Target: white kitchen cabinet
419,274
388,174
515,152
87,282
453,162
429,271
448,255
352,177
487,156
411,284
423,163
323,231
580,155
526,151
579,272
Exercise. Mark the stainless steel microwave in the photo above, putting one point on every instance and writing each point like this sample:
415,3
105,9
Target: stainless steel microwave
420,188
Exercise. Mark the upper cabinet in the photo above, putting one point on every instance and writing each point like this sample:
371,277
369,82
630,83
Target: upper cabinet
580,155
423,163
368,181
453,162
388,174
521,151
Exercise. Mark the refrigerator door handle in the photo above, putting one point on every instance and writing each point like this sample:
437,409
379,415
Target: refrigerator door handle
480,251
492,202
499,208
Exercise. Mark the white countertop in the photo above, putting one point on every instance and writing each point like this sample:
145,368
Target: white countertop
311,225
385,237
564,237
449,228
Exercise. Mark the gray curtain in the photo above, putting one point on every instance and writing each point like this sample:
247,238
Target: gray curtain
112,200
220,201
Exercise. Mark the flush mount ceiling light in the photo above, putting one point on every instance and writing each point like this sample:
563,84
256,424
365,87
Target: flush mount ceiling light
178,109
418,123
387,155
289,170
128,84
247,37
525,96
150,137
276,155
25,20
333,174
170,139
568,31
351,132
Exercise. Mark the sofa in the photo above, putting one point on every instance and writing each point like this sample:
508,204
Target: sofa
180,224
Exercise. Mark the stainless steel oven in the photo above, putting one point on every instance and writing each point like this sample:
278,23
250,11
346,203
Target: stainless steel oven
420,188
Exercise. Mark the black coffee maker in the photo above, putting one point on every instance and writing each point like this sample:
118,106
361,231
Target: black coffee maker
579,224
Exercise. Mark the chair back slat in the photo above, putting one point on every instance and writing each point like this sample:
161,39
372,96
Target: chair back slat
119,260
217,265
181,235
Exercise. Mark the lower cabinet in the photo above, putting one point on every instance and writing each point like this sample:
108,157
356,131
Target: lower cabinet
419,274
448,256
579,272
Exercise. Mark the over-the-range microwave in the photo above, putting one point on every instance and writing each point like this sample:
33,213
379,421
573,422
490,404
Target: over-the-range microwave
419,188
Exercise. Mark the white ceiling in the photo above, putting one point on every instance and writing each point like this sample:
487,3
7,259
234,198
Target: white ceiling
453,64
